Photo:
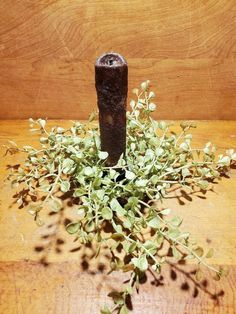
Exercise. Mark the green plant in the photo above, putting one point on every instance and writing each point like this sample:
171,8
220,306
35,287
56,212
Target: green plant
126,196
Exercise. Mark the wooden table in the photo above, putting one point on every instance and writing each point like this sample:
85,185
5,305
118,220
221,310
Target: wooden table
43,271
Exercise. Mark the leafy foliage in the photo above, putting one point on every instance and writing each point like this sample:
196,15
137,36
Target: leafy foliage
125,196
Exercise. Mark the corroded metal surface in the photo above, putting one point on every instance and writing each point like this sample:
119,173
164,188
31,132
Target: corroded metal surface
111,77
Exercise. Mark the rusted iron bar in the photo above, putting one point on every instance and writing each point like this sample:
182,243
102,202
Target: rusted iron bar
111,80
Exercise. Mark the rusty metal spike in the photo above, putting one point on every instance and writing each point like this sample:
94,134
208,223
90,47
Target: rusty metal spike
111,80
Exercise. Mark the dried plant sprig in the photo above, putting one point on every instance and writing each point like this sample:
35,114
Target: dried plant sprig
126,196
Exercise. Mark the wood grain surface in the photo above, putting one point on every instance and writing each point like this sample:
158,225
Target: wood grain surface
42,270
186,48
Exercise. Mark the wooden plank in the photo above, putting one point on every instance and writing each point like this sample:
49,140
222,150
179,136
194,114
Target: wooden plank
186,48
60,288
43,271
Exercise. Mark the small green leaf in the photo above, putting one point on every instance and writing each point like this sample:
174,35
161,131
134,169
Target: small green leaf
42,123
130,175
88,171
100,194
173,233
81,211
126,246
129,289
65,186
184,235
162,125
79,192
123,310
199,275
151,95
90,226
185,172
154,223
132,104
32,210
132,247
152,107
117,228
165,211
144,85
176,221
159,152
156,268
107,213
115,206
43,140
224,161
105,310
159,240
56,205
184,146
150,246
141,182
33,160
203,184
140,262
176,253
102,155
135,91
72,227
67,166
210,253
60,130
117,237
133,201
